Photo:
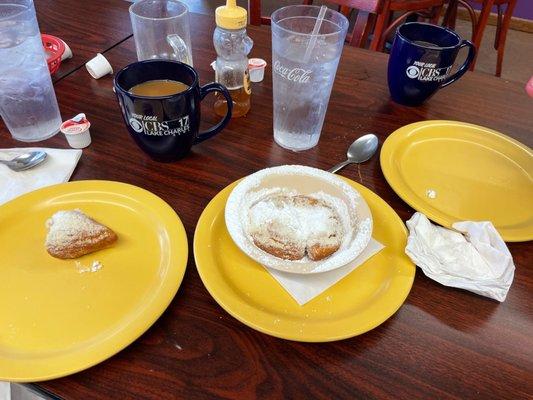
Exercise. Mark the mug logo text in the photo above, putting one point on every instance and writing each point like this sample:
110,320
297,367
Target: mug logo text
427,72
298,75
149,125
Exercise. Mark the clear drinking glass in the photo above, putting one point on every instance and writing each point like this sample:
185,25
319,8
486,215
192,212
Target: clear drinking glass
161,30
28,102
303,71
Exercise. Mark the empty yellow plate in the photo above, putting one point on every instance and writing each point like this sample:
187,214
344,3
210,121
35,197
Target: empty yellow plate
56,317
359,302
453,171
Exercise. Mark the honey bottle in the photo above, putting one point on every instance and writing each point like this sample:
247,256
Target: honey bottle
232,45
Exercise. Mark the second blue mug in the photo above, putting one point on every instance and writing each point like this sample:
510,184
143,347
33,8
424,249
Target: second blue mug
421,59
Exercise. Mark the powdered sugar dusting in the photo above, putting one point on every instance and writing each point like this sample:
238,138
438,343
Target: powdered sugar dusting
67,226
353,213
432,194
302,224
95,266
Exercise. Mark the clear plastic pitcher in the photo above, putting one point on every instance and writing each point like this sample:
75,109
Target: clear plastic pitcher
303,70
161,30
28,102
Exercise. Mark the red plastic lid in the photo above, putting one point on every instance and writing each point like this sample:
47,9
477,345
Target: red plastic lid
75,125
256,63
54,50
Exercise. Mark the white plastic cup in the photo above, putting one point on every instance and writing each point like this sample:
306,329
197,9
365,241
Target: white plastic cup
256,66
161,29
67,53
76,130
99,66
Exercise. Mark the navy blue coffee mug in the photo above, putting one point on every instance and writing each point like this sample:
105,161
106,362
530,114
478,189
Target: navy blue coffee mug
166,127
421,59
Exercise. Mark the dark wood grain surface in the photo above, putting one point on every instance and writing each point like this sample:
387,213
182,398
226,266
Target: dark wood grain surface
88,27
443,343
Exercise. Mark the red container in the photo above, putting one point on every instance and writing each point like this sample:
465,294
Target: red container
54,48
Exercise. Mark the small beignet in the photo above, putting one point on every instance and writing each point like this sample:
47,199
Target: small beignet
72,234
291,227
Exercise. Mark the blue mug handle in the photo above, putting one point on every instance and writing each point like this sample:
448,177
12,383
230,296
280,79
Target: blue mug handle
465,66
204,90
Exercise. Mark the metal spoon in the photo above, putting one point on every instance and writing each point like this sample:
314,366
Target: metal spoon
359,151
25,161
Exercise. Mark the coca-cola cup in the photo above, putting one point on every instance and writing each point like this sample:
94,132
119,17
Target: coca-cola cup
306,47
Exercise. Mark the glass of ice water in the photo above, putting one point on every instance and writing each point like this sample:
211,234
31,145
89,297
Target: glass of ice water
303,70
28,102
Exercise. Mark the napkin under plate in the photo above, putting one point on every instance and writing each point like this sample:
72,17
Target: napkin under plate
305,287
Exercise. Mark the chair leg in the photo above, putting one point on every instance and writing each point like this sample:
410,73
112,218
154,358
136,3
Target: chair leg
451,14
368,29
480,28
381,20
503,35
435,14
361,29
345,10
254,9
472,13
498,26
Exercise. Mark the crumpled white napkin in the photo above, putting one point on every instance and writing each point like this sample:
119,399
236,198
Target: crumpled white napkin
475,258
57,168
305,287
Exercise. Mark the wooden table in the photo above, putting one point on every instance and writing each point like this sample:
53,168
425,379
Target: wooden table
88,27
442,343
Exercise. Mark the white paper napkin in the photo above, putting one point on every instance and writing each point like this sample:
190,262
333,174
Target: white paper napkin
476,259
57,168
305,287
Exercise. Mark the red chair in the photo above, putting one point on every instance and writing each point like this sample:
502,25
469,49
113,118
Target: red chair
478,26
451,14
428,9
367,10
375,14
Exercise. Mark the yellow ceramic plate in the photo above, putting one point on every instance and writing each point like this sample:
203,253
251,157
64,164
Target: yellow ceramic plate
359,302
55,319
454,171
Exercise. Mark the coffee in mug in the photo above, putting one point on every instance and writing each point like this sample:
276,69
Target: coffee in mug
160,103
424,43
158,87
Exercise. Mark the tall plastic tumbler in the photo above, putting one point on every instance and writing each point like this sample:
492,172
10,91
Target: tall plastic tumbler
161,30
28,102
305,53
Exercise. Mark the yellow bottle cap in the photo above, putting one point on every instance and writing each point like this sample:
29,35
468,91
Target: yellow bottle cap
231,16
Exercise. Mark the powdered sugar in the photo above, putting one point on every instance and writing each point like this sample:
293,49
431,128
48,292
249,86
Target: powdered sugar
95,266
342,199
67,225
432,194
304,224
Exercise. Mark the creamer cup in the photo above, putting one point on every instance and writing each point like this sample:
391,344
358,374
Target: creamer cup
76,130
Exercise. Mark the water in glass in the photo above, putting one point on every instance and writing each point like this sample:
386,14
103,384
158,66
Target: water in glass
302,86
28,103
